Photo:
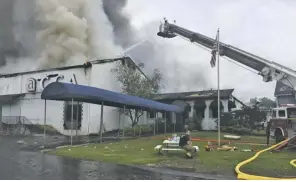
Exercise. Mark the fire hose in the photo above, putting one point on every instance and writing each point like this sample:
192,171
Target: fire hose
244,176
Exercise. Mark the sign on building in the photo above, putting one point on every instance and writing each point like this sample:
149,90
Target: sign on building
31,85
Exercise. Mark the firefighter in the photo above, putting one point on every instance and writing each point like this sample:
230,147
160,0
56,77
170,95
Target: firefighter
186,144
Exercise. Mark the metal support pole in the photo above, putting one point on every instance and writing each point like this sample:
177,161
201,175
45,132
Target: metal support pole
101,123
218,75
174,128
77,119
147,123
72,115
165,122
154,123
44,127
119,117
140,124
88,118
157,131
123,122
173,120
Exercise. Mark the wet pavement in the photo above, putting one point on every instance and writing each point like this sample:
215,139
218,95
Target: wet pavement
16,164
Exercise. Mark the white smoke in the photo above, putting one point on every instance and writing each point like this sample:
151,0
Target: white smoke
64,32
73,31
101,37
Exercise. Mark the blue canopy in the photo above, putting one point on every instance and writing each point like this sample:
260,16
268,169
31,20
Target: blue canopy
80,93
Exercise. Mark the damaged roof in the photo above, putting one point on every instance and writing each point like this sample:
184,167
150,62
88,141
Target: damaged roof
194,95
85,65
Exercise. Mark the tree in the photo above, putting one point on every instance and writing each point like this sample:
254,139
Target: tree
254,101
250,117
134,83
267,103
263,102
227,119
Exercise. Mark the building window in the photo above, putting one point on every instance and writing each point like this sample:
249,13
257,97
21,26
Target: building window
214,108
77,115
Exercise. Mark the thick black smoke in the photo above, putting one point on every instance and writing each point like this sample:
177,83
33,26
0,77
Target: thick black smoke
124,34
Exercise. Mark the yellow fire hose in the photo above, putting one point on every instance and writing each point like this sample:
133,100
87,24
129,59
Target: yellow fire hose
244,176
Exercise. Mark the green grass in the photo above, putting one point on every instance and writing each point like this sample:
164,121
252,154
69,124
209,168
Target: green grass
141,152
274,164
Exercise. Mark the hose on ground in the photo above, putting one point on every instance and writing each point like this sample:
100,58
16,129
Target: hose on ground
244,176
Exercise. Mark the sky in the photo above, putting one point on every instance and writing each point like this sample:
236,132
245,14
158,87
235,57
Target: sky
262,27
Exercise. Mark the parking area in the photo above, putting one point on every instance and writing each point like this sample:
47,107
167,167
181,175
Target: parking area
16,164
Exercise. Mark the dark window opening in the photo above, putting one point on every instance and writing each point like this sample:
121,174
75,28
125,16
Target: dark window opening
200,109
274,114
152,114
77,115
200,113
282,113
215,112
214,108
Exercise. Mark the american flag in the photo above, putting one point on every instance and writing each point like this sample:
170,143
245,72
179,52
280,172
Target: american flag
214,52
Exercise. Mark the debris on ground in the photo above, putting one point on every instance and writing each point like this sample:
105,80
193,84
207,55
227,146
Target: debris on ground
226,148
209,147
247,150
21,142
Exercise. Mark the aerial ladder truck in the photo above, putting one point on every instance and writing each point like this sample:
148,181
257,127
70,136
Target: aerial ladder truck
283,120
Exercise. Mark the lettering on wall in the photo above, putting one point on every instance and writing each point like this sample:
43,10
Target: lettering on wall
57,77
31,85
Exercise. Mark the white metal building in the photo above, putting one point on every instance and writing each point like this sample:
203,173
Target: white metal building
20,96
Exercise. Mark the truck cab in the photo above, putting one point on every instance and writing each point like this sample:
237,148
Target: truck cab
283,122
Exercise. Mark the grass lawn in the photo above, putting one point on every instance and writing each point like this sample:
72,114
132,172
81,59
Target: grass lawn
277,164
141,152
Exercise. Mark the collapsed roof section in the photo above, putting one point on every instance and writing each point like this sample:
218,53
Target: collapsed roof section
225,93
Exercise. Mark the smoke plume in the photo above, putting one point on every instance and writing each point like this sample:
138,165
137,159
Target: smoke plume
17,31
38,34
153,53
63,36
123,32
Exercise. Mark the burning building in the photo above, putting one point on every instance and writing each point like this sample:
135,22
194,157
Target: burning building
20,97
204,104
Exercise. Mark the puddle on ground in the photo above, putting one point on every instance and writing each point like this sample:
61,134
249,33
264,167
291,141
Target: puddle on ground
17,164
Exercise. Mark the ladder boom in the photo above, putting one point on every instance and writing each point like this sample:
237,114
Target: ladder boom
267,69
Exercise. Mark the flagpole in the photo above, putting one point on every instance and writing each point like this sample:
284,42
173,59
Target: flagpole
218,78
